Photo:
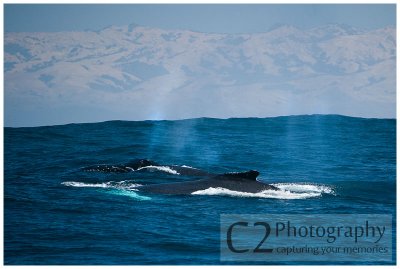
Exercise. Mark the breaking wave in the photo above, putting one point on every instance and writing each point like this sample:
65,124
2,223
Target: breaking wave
286,191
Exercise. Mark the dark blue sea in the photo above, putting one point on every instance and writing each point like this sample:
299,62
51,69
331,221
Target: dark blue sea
56,212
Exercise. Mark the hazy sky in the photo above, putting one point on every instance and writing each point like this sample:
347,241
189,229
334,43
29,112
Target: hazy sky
205,18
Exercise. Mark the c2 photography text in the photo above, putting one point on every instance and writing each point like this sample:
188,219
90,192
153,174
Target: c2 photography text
297,237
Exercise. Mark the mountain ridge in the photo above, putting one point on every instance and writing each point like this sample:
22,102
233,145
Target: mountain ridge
329,69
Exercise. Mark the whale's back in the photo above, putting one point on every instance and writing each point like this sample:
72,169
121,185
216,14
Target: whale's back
244,182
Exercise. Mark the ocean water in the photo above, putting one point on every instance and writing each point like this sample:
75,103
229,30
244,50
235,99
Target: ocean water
55,212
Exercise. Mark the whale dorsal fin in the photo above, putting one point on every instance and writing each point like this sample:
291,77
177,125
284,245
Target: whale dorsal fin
251,175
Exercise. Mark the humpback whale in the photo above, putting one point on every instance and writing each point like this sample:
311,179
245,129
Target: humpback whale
144,164
243,182
119,168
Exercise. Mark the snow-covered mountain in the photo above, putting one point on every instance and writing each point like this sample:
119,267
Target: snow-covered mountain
136,73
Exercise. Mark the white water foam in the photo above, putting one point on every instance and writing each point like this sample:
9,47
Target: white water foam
109,184
130,168
166,169
122,188
286,191
128,193
85,185
304,187
187,166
